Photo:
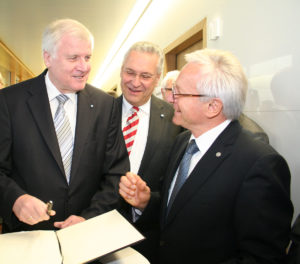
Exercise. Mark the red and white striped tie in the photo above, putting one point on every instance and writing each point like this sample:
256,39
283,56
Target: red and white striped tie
130,128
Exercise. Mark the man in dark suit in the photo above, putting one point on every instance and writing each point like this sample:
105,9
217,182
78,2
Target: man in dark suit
155,133
36,163
226,197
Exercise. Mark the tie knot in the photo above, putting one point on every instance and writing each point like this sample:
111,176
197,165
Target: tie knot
62,99
192,147
135,109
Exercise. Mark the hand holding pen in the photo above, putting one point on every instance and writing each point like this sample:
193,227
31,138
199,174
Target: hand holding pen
32,210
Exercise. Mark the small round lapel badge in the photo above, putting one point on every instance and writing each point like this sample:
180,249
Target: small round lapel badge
218,154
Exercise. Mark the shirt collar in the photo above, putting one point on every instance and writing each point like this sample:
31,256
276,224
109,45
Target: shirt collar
205,140
126,107
53,91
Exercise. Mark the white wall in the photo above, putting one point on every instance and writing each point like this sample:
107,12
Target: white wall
265,36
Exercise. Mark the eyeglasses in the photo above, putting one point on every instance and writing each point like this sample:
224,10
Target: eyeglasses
166,90
177,95
145,76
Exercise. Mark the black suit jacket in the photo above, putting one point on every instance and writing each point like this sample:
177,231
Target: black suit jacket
161,136
253,128
30,160
293,256
234,208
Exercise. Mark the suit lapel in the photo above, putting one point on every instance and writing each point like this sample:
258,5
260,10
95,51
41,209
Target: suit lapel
176,158
211,161
157,124
85,109
39,106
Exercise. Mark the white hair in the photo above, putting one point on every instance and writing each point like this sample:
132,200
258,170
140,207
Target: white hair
222,76
171,75
147,47
58,28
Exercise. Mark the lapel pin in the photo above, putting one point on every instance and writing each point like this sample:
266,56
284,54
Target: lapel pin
162,115
92,106
218,154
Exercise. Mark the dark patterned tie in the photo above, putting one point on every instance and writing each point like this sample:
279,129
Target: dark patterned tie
183,170
64,134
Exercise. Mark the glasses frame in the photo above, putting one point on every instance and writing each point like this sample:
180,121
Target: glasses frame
144,76
166,89
177,95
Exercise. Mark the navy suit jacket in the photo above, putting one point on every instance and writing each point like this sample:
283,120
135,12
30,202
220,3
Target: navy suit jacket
30,160
234,208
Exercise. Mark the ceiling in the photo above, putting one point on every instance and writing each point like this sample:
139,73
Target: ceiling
22,24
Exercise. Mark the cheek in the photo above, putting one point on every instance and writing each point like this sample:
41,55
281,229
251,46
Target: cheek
124,80
89,67
149,89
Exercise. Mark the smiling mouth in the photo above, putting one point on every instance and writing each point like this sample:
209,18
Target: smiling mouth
79,77
133,90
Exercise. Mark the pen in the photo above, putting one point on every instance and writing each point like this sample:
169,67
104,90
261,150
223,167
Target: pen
49,207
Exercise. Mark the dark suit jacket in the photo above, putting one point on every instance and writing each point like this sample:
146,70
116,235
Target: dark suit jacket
253,128
30,160
161,136
234,208
293,256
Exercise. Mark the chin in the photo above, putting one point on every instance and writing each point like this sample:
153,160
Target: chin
176,121
78,88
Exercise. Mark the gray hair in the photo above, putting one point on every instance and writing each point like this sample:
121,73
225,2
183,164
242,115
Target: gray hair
171,75
222,76
58,28
147,47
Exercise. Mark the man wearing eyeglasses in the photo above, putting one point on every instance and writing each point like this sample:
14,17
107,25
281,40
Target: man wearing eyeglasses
147,127
226,196
167,84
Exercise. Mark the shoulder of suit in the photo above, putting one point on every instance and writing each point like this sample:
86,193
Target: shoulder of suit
163,105
94,91
251,144
34,85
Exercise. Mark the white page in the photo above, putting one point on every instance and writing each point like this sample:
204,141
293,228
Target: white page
34,247
96,237
124,256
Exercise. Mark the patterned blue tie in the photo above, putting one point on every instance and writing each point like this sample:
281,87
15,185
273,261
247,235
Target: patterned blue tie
183,170
64,134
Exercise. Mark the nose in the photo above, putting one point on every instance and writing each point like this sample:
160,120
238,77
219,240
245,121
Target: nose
136,81
170,97
167,95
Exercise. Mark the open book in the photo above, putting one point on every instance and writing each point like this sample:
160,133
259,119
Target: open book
76,244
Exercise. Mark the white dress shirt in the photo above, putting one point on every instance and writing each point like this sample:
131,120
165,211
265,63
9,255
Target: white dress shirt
70,106
141,136
203,143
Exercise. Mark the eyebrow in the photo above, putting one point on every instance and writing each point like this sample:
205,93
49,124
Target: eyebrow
126,68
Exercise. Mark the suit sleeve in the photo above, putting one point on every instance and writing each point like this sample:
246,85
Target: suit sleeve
263,212
116,164
9,189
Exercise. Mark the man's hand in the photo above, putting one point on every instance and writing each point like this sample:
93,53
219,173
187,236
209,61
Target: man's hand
71,220
31,210
134,190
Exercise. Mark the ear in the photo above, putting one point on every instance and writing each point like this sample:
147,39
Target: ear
215,107
47,59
